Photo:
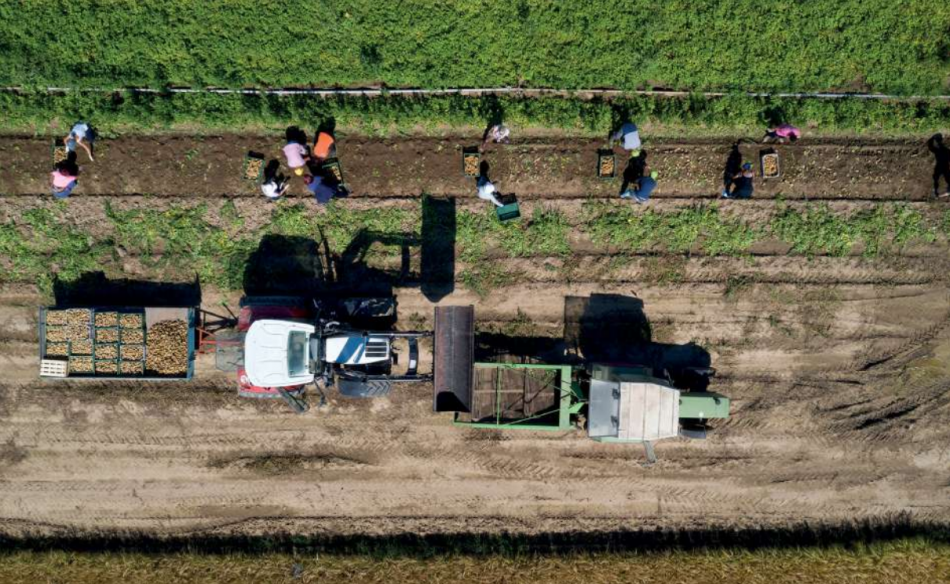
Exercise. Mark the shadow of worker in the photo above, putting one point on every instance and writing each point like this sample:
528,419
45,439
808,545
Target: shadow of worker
613,328
732,168
941,154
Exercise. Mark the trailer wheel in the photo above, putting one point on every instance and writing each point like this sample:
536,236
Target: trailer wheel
364,389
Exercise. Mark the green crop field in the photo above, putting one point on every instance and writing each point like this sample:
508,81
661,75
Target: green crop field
905,561
879,45
41,112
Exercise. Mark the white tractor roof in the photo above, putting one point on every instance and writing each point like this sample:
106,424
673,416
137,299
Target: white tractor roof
267,353
648,411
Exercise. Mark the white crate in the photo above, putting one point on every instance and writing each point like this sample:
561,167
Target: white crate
52,368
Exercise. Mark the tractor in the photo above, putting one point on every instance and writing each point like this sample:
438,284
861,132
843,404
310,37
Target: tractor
280,345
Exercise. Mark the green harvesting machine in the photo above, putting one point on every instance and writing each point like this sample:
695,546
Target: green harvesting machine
621,403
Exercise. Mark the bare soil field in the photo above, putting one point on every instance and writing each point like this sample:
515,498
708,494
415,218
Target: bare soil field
838,366
535,168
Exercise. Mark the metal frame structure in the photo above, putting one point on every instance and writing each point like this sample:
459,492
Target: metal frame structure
569,402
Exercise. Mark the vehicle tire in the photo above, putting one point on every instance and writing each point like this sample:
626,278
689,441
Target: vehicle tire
364,389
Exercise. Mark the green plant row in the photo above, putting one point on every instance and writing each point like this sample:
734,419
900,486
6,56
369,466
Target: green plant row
43,112
810,231
693,44
217,244
901,561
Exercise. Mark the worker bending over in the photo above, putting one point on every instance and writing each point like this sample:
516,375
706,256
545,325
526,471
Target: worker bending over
782,134
486,191
79,132
628,135
741,184
642,188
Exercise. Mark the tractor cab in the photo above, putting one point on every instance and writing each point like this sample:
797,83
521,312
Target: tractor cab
283,353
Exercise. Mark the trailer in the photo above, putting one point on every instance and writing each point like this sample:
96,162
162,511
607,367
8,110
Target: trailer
613,402
143,343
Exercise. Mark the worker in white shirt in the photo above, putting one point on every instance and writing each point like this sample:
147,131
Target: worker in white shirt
486,191
629,137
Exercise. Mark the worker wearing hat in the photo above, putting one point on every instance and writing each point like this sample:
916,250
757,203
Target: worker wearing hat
741,184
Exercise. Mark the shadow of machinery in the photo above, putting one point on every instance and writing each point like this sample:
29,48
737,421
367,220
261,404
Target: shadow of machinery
94,289
287,266
602,328
301,266
437,262
613,328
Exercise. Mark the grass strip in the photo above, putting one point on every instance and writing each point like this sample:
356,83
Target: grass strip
897,562
214,241
40,112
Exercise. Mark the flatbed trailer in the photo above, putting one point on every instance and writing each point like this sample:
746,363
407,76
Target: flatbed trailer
113,342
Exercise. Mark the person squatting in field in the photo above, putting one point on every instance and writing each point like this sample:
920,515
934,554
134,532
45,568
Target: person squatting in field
295,151
782,134
63,178
497,134
641,189
274,187
324,187
741,184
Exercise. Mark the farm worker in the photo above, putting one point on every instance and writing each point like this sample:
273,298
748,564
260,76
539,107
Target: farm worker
62,182
296,154
941,162
78,133
498,134
741,184
783,133
324,147
323,190
274,187
486,191
629,135
641,190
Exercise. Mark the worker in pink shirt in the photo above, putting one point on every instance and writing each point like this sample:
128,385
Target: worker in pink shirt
295,151
296,155
782,134
63,181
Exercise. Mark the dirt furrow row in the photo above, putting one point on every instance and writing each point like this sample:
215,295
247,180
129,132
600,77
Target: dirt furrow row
210,166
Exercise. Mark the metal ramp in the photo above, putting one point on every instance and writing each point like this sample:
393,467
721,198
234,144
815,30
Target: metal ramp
454,358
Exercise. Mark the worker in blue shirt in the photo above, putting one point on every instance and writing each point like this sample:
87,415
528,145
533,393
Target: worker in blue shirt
642,188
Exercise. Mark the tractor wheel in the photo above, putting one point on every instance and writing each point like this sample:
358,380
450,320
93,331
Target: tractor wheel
368,388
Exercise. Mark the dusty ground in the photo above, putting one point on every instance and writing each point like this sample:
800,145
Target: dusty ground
837,367
841,409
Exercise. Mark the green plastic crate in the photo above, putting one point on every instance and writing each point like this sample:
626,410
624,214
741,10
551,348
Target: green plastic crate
509,212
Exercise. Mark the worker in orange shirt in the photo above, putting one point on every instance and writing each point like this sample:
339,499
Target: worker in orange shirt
324,147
